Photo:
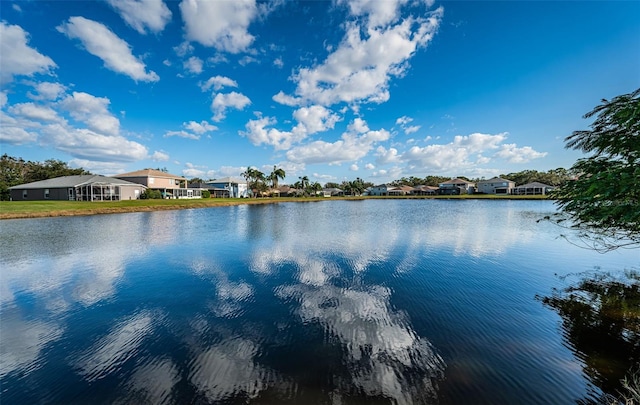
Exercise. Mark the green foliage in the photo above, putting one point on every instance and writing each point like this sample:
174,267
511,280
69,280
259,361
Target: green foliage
206,194
15,171
150,194
554,177
276,174
603,202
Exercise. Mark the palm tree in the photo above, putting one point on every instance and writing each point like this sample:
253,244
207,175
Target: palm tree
276,174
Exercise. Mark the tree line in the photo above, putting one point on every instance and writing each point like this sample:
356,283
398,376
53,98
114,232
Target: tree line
15,171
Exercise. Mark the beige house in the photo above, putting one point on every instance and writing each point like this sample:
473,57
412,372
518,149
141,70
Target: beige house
170,185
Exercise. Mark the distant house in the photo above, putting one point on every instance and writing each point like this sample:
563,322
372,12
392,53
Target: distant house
380,190
400,190
456,186
496,185
233,187
170,185
86,187
534,188
332,192
425,190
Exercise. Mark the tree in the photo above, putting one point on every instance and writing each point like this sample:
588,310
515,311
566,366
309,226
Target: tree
15,171
277,173
602,203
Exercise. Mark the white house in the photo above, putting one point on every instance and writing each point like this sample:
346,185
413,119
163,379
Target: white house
236,187
534,188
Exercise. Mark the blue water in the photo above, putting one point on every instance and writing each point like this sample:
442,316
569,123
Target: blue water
333,302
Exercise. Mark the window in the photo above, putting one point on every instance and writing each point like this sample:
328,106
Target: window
46,193
151,180
24,194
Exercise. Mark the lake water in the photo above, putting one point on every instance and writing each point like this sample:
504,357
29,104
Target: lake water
333,302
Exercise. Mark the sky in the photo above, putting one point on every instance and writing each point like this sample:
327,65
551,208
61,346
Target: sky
331,90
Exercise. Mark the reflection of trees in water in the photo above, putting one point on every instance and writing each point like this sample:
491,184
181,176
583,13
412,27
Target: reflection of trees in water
601,319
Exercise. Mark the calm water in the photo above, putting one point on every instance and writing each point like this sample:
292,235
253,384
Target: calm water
336,302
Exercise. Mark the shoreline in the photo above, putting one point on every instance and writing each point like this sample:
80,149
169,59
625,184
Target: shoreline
52,209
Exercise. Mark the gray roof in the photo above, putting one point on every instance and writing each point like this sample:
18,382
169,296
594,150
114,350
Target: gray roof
496,180
74,181
457,181
535,184
227,180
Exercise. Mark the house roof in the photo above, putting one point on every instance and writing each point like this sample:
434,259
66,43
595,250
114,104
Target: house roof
535,184
74,181
496,180
227,180
457,181
150,173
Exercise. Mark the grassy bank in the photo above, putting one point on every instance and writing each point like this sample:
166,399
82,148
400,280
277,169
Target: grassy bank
38,209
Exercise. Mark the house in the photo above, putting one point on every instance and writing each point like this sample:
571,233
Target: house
233,187
534,188
332,192
425,190
496,185
400,190
86,187
380,190
456,186
170,185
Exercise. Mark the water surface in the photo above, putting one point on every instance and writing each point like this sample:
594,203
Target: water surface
334,302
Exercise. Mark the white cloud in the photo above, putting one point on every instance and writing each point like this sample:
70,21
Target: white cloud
181,134
16,135
35,112
159,156
325,177
385,156
219,24
93,111
513,154
404,124
221,102
90,145
360,69
103,43
353,145
378,13
199,127
277,62
193,65
142,14
369,166
18,58
98,166
3,99
315,119
183,49
193,130
218,82
258,134
354,167
48,91
452,156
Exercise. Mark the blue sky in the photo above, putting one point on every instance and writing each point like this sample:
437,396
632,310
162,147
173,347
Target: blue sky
334,90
